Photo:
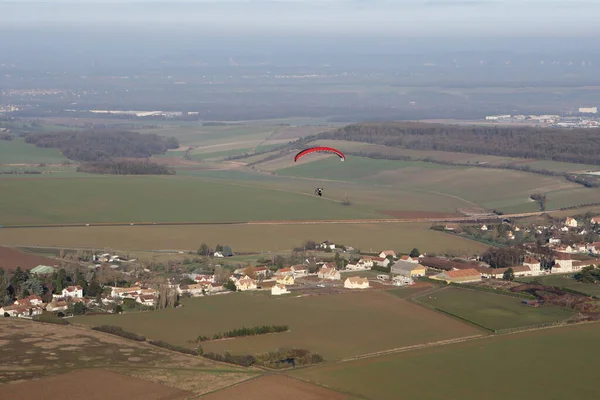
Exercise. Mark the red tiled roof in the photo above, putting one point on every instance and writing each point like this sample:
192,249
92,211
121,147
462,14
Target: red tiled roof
462,273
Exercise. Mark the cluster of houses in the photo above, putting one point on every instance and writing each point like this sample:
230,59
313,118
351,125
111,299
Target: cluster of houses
33,305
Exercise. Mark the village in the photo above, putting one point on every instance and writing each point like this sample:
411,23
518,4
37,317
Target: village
347,271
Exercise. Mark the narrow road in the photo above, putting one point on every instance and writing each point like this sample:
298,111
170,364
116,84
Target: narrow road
292,222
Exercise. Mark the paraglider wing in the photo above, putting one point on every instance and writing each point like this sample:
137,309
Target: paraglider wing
320,149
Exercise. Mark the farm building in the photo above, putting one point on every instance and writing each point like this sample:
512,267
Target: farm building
459,276
278,290
42,270
356,282
407,269
284,272
518,270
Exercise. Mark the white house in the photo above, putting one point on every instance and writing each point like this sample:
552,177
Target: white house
533,264
299,270
57,306
285,280
356,282
383,262
484,227
329,273
410,259
327,245
245,284
122,292
277,290
386,253
563,263
73,291
571,222
366,262
553,241
595,220
193,290
284,272
147,300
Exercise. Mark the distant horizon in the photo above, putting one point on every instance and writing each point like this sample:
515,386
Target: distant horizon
436,18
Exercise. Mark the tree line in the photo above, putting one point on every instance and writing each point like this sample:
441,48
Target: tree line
257,330
572,145
276,359
103,145
126,167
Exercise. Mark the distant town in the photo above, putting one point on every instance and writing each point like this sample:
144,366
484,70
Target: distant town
585,119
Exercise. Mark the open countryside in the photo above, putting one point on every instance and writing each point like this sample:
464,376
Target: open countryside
278,292
480,359
349,325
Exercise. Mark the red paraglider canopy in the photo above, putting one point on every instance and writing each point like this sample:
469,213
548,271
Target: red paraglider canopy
320,149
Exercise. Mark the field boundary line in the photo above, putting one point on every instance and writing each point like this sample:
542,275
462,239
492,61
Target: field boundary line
196,396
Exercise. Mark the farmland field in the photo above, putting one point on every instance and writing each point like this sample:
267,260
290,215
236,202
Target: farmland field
401,237
157,199
567,281
33,350
10,259
273,387
335,326
16,151
525,361
92,385
493,311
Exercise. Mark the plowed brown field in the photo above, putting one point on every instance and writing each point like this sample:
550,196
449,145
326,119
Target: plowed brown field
91,385
10,259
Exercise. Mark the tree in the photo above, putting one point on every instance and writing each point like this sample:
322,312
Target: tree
117,309
227,252
79,308
414,253
221,274
18,279
33,286
230,285
204,250
503,257
219,248
509,275
94,288
339,261
59,280
250,272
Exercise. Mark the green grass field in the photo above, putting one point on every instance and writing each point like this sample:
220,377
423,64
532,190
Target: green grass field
491,310
335,326
567,281
158,199
16,151
246,238
548,364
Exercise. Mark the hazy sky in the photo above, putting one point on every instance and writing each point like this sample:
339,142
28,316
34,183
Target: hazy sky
317,17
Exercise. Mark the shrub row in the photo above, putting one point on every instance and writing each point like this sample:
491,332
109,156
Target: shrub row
168,346
50,318
257,330
115,330
276,360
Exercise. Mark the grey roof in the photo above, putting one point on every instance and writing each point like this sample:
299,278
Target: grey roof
403,266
